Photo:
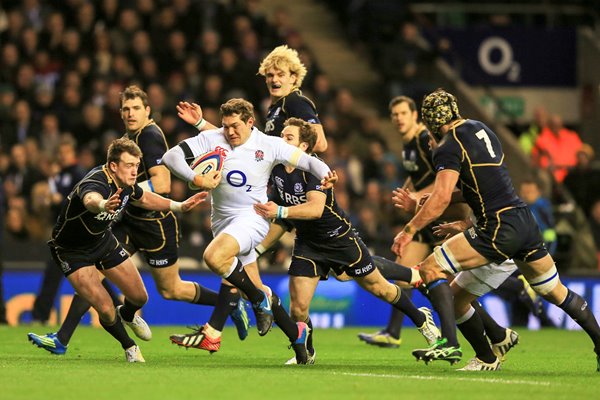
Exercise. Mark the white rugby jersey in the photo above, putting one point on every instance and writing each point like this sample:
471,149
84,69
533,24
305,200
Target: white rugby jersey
246,169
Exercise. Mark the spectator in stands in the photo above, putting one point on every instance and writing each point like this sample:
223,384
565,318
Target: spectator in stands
583,181
10,62
405,64
542,210
556,148
528,137
21,175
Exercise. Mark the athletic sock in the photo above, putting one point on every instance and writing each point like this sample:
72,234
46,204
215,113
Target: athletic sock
493,331
472,329
578,309
226,302
79,306
405,304
394,325
283,320
117,330
441,300
391,270
128,310
205,296
241,280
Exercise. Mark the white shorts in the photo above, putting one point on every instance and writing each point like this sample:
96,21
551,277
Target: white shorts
247,229
482,280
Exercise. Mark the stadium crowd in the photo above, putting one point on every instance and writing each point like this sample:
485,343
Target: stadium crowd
65,63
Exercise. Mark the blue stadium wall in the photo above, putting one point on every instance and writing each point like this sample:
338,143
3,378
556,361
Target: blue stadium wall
336,304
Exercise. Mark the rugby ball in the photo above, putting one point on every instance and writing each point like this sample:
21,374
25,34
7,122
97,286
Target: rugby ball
208,162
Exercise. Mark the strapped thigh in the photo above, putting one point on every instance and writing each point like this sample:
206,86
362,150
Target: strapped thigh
543,284
446,260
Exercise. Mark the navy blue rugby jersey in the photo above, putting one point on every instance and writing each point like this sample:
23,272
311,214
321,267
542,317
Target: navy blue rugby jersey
293,105
153,144
417,160
290,189
77,227
472,149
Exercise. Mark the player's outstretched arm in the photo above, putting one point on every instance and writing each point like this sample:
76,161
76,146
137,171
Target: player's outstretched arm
311,209
95,203
192,114
156,202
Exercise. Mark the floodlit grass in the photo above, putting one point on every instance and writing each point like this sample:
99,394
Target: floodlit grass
547,364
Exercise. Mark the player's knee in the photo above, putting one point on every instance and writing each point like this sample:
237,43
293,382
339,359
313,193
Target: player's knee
299,310
106,312
429,271
139,298
218,262
545,283
383,290
210,259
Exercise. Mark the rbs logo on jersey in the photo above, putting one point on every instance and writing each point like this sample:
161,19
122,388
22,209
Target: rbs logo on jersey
292,198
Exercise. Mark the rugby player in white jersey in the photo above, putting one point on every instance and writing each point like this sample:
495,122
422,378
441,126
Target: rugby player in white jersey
250,155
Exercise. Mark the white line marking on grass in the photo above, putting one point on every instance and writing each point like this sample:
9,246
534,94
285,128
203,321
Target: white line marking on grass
440,378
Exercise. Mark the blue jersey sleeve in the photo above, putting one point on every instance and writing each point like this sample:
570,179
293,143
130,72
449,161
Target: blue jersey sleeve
301,107
448,155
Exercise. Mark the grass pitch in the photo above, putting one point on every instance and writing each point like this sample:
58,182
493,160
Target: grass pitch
547,364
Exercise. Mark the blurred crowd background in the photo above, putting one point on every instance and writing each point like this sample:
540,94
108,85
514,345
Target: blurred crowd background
64,63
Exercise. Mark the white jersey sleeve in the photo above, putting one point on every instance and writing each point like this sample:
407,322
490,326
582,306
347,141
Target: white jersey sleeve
293,156
175,158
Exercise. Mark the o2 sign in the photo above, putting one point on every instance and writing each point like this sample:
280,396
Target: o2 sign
505,64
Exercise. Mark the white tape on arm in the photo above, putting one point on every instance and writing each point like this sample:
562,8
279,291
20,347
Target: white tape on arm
176,206
200,124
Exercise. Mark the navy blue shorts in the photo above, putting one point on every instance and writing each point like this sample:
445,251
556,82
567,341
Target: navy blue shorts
510,233
156,238
105,253
346,254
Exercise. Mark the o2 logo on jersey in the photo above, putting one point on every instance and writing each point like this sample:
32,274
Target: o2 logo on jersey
236,178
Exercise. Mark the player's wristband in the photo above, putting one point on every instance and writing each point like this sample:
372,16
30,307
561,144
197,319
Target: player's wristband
200,124
176,206
282,212
260,250
102,205
147,185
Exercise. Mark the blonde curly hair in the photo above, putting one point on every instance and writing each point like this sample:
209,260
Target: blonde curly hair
283,56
